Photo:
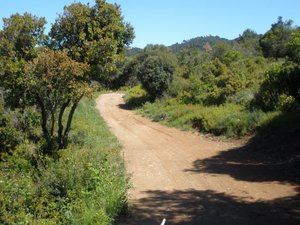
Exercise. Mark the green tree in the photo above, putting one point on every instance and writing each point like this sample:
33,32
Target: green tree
280,89
293,46
19,38
273,42
128,75
53,82
225,53
188,60
156,73
248,43
95,35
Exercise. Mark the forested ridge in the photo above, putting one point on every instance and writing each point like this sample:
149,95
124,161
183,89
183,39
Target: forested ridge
198,42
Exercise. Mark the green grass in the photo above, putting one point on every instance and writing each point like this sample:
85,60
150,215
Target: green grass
229,120
86,185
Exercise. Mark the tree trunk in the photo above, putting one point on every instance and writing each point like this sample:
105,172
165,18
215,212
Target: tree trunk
60,124
46,134
52,122
68,125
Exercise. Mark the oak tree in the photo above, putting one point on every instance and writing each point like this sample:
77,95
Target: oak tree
53,82
273,42
19,40
95,35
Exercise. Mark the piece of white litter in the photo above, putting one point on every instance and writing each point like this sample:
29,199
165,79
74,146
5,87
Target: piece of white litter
163,222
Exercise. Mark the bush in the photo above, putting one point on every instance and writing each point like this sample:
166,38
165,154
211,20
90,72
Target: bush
178,85
135,97
128,76
10,137
229,124
282,85
293,46
156,74
86,185
286,103
228,120
243,97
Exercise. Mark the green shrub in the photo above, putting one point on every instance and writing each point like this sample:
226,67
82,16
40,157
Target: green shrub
286,103
230,120
178,85
293,46
214,83
281,82
87,184
213,119
10,137
135,97
156,74
243,97
237,124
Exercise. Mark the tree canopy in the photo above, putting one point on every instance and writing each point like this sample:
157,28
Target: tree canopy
293,46
54,82
96,35
20,40
20,36
155,69
273,42
54,72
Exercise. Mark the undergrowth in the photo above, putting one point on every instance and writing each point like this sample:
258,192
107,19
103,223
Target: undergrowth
86,185
228,119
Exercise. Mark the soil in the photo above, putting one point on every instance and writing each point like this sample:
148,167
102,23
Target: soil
188,178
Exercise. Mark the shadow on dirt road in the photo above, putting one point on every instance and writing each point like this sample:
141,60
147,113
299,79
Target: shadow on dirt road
210,208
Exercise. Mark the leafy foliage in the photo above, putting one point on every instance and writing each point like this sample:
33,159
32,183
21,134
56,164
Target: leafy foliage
86,185
280,90
19,39
43,80
136,97
154,68
293,46
95,35
20,36
225,53
273,43
248,43
9,135
232,89
155,74
53,82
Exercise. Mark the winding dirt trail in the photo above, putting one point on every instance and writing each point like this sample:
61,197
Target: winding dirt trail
190,179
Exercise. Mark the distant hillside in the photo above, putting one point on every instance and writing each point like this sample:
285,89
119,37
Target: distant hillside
133,51
199,42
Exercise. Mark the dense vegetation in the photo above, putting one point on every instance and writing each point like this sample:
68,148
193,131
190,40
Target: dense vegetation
230,88
86,185
58,162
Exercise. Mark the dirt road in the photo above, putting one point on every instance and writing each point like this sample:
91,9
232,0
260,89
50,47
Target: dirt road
190,179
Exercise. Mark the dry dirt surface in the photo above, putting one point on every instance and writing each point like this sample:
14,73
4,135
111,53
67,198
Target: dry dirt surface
192,179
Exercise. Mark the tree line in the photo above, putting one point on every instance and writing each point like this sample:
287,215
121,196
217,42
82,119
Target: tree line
235,86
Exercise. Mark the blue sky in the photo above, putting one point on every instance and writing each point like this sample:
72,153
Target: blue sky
170,21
